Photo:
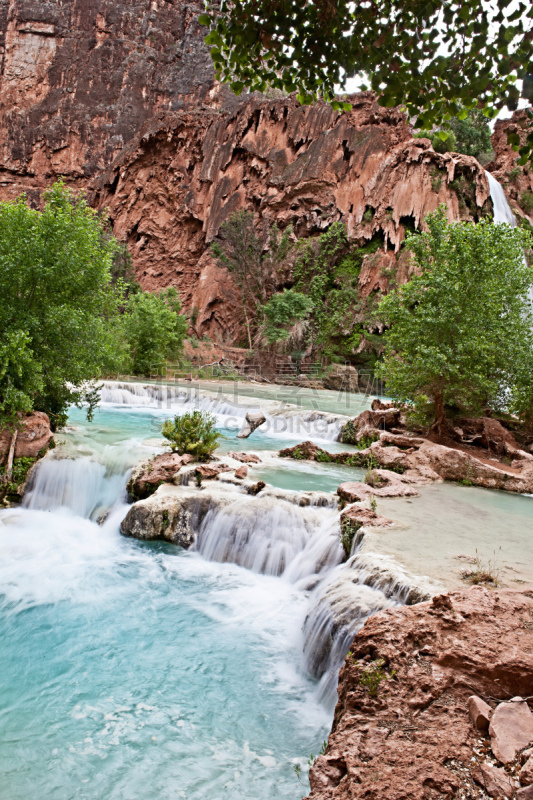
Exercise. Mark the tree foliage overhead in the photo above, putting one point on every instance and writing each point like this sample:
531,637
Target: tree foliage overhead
436,59
462,328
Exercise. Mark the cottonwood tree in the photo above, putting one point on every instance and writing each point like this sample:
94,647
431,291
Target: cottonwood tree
461,329
435,59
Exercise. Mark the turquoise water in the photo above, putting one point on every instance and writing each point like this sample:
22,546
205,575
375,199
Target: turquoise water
133,670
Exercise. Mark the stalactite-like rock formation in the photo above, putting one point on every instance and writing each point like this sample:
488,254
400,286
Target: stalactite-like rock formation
170,190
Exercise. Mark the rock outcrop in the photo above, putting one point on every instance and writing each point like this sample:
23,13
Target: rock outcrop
172,187
402,727
120,98
33,435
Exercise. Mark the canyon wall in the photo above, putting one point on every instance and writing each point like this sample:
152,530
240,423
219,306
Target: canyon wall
171,189
78,78
119,98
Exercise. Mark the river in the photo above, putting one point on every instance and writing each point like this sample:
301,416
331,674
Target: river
133,669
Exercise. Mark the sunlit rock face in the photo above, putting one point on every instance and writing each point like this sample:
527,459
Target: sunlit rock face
79,78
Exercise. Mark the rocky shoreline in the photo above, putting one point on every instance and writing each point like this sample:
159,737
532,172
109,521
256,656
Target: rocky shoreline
405,726
21,447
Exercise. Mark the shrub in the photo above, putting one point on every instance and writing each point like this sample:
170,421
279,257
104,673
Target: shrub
193,433
372,676
349,528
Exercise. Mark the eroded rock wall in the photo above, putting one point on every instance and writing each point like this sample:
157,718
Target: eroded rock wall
78,78
171,189
408,735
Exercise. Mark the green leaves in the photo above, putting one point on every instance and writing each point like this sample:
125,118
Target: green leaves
461,326
426,57
193,433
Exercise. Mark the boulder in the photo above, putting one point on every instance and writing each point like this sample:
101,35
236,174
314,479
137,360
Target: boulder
208,471
495,781
511,729
241,472
390,485
480,713
363,517
525,794
173,514
147,476
255,488
33,435
253,420
526,773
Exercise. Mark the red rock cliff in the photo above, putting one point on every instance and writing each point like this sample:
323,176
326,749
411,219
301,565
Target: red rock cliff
78,78
171,189
119,96
412,738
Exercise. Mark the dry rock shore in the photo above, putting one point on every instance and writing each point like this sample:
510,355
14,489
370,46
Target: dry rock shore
434,703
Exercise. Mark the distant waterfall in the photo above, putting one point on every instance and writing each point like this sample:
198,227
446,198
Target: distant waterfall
502,209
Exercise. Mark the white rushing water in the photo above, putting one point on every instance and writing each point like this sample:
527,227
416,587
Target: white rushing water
282,419
134,669
502,209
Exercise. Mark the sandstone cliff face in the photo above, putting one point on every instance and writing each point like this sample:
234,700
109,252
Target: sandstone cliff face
413,739
78,79
171,189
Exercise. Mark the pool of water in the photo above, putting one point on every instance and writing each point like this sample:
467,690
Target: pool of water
448,521
132,669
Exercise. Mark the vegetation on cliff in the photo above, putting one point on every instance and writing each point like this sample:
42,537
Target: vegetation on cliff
462,327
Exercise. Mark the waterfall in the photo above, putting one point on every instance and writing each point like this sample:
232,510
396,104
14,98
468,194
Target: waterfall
272,537
281,422
502,209
81,485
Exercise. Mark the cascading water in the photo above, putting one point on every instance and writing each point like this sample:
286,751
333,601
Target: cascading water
502,209
134,669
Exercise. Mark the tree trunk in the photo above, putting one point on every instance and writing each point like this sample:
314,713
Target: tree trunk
440,426
247,327
11,456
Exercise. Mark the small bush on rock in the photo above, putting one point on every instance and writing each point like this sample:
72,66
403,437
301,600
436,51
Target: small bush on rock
193,433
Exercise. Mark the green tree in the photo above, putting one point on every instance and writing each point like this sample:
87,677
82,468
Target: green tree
435,60
283,311
471,136
154,330
57,300
459,328
254,259
194,433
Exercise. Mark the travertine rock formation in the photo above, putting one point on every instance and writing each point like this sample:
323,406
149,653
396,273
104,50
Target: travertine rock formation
409,734
171,190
